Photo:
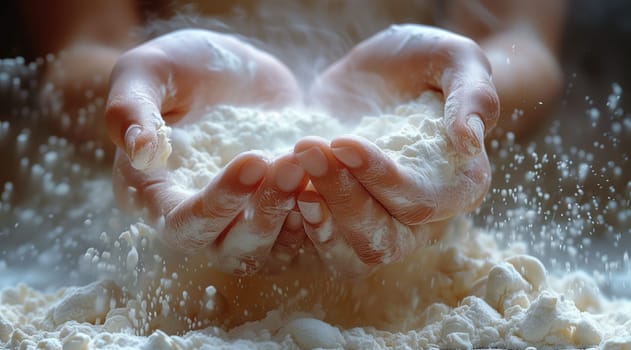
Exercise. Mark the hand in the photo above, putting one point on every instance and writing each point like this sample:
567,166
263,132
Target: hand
240,214
369,210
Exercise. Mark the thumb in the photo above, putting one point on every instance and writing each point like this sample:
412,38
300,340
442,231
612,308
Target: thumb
471,106
133,117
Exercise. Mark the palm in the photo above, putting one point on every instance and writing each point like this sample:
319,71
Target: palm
392,67
175,76
351,213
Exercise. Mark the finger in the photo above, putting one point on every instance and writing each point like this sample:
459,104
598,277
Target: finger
362,220
290,238
201,218
171,76
405,60
139,190
292,235
477,174
448,62
134,108
246,246
413,197
472,105
332,248
288,244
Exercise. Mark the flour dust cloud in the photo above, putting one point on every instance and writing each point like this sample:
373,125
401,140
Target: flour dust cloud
542,263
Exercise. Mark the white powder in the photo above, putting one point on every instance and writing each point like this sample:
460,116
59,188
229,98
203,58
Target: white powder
464,292
413,135
154,155
469,293
202,148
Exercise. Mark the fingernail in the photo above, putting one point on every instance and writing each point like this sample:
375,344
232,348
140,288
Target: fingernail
293,221
348,155
311,211
474,141
130,139
313,161
141,154
252,172
289,176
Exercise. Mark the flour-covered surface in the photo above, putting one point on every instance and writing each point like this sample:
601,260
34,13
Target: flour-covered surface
76,275
481,297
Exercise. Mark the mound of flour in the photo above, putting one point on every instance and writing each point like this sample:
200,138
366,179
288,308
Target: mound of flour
413,134
202,148
464,292
493,298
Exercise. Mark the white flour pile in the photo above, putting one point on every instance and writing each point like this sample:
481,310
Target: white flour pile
202,148
464,292
413,135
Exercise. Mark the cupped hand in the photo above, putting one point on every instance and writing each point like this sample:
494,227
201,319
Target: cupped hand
179,74
239,215
398,64
365,200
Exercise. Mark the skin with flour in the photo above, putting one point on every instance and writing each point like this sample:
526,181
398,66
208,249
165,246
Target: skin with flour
463,292
252,186
200,149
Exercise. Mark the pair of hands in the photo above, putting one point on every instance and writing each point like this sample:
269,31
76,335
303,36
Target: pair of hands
257,214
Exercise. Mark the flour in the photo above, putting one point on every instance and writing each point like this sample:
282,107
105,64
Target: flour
202,148
153,155
529,311
463,292
413,135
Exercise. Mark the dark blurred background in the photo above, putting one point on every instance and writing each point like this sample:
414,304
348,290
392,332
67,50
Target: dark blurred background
565,190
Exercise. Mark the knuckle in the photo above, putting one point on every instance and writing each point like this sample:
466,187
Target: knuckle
371,245
414,214
370,255
270,210
416,207
225,207
274,203
388,244
486,96
478,185
379,168
460,47
147,56
468,45
341,202
189,232
456,47
115,110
